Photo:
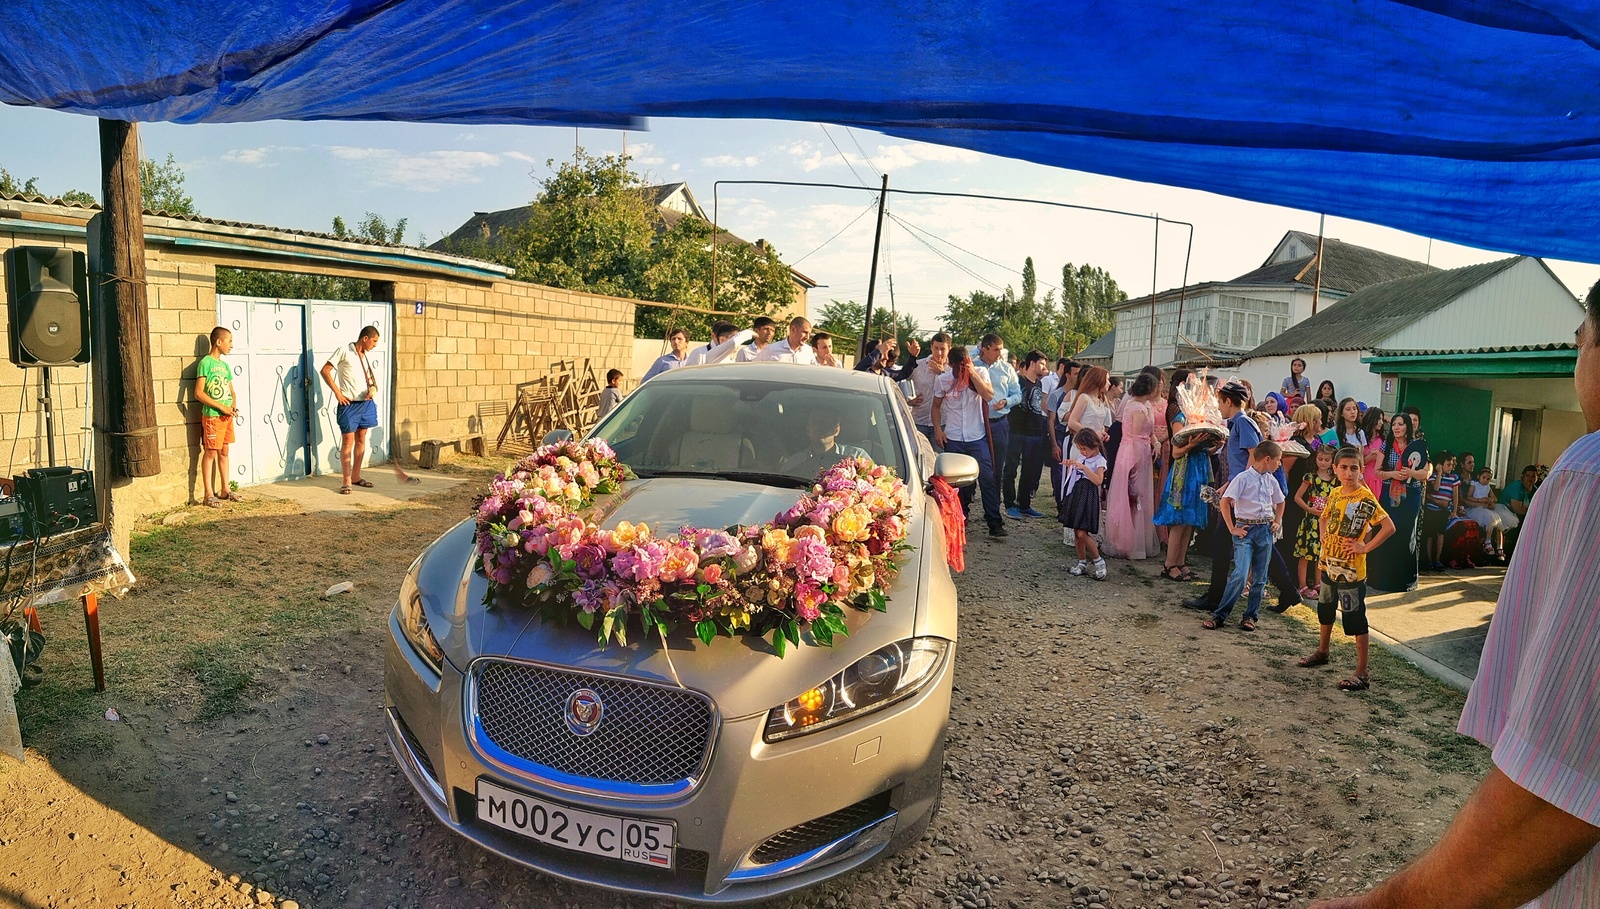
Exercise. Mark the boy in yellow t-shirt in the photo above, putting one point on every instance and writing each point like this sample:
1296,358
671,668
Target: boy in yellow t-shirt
1347,525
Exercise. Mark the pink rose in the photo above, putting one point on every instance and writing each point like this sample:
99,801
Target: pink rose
711,574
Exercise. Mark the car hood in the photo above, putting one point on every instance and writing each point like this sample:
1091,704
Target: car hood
742,675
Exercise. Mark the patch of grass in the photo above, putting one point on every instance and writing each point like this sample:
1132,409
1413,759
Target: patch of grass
1450,752
222,670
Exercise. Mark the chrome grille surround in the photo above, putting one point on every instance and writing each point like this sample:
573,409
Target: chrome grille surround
654,742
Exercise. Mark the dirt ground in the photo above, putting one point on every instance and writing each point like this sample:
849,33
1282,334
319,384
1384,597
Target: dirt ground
1103,750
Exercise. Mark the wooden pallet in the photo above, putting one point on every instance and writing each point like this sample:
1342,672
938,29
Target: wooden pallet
568,397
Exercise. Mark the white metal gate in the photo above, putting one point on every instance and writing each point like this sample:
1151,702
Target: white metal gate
268,362
279,347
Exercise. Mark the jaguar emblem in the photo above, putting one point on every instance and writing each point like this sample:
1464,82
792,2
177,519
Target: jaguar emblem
584,711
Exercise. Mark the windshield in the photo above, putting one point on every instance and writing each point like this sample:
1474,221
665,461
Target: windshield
731,427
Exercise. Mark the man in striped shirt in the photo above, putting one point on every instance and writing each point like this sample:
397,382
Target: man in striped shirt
1529,835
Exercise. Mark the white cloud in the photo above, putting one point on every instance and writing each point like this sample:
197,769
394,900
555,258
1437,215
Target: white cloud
645,153
731,161
466,137
519,156
256,157
813,156
428,171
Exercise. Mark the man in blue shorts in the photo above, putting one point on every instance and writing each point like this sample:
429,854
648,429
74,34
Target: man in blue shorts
349,374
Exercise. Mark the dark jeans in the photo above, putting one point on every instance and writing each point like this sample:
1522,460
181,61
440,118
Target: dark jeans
1222,565
1000,435
979,451
1057,472
927,433
1028,454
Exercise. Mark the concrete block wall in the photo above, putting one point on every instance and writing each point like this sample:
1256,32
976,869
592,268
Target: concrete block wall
473,345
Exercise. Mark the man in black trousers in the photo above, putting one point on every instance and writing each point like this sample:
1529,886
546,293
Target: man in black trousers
1243,435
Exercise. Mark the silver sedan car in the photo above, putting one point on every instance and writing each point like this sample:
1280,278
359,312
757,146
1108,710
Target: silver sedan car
694,780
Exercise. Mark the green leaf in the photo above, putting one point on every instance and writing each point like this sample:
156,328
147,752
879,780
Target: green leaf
621,629
822,633
607,624
879,601
835,624
586,619
791,630
706,630
831,609
702,589
779,642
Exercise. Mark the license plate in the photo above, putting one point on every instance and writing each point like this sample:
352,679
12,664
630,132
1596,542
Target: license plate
639,840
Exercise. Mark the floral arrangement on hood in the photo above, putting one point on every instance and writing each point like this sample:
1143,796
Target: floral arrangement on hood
836,547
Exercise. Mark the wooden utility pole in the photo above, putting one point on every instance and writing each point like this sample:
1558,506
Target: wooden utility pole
121,321
872,280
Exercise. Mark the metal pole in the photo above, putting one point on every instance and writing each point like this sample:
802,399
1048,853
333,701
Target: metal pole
49,417
872,279
1155,252
1316,289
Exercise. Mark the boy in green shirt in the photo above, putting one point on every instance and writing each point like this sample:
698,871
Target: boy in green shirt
213,388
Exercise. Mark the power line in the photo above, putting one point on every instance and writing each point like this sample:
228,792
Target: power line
932,235
842,156
864,211
852,134
936,251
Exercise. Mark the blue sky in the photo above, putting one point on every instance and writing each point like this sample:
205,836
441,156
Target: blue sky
300,175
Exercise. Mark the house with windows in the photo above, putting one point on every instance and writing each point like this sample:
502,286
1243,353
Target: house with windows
1486,353
1220,320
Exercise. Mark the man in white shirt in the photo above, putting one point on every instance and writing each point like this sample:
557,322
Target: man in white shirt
960,397
922,379
792,349
763,328
724,341
677,356
822,346
349,373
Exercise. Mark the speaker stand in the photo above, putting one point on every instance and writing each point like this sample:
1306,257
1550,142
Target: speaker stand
49,417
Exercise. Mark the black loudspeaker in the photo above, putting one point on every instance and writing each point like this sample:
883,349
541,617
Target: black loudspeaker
47,297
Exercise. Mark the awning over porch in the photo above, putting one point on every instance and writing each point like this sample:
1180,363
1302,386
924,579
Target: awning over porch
1541,361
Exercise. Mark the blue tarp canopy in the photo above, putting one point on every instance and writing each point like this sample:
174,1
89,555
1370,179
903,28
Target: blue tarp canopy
1476,121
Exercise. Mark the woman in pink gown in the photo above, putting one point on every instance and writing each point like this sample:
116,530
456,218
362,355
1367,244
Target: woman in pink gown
1373,424
1131,502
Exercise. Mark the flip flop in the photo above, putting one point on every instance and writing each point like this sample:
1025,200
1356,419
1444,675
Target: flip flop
1211,624
1355,683
345,490
414,481
1319,658
1248,625
364,484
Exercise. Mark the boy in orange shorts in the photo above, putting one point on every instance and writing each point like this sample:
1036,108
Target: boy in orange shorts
213,388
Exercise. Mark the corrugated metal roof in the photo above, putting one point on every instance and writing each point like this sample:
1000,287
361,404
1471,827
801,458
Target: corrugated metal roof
1370,315
199,219
1510,348
1345,267
1103,347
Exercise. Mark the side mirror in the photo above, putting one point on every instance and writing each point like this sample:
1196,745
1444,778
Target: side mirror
957,469
557,435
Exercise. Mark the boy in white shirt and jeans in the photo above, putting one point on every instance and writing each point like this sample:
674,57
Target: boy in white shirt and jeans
1252,509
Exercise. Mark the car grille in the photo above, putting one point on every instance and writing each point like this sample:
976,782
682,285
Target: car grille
649,735
803,838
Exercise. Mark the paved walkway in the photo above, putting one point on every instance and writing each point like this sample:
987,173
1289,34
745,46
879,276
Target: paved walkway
321,493
1443,622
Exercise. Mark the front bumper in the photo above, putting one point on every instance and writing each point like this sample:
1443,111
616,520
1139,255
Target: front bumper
878,777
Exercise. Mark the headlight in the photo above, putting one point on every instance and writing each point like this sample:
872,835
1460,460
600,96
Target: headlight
875,681
414,621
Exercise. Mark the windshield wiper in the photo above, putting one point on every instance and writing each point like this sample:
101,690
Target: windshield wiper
741,476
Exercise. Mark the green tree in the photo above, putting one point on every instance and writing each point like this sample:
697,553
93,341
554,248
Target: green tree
162,183
372,227
843,319
1030,283
80,197
1087,294
595,228
9,183
251,282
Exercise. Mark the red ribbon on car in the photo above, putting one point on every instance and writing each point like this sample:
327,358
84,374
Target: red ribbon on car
955,523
